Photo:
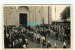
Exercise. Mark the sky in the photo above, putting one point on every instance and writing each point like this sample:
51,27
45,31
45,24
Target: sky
59,9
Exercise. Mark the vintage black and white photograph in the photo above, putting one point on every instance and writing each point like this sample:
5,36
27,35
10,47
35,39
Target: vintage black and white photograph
37,26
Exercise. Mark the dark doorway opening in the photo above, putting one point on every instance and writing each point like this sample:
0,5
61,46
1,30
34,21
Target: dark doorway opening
23,19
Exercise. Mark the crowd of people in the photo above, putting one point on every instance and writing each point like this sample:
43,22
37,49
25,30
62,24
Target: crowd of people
18,37
62,31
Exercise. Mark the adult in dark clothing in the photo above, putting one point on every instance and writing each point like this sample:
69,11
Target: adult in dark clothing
6,29
10,43
23,36
44,43
26,44
48,32
44,34
20,44
6,41
16,34
38,40
27,33
56,35
20,34
16,44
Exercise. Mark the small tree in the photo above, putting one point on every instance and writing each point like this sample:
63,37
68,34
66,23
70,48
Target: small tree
65,14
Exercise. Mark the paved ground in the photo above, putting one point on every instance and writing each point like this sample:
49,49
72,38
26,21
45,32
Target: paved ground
52,41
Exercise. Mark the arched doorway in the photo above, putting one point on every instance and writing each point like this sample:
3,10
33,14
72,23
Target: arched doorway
23,19
23,13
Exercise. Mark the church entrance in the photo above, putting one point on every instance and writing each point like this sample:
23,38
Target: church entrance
23,19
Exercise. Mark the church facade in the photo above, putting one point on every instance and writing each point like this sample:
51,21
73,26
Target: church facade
27,15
